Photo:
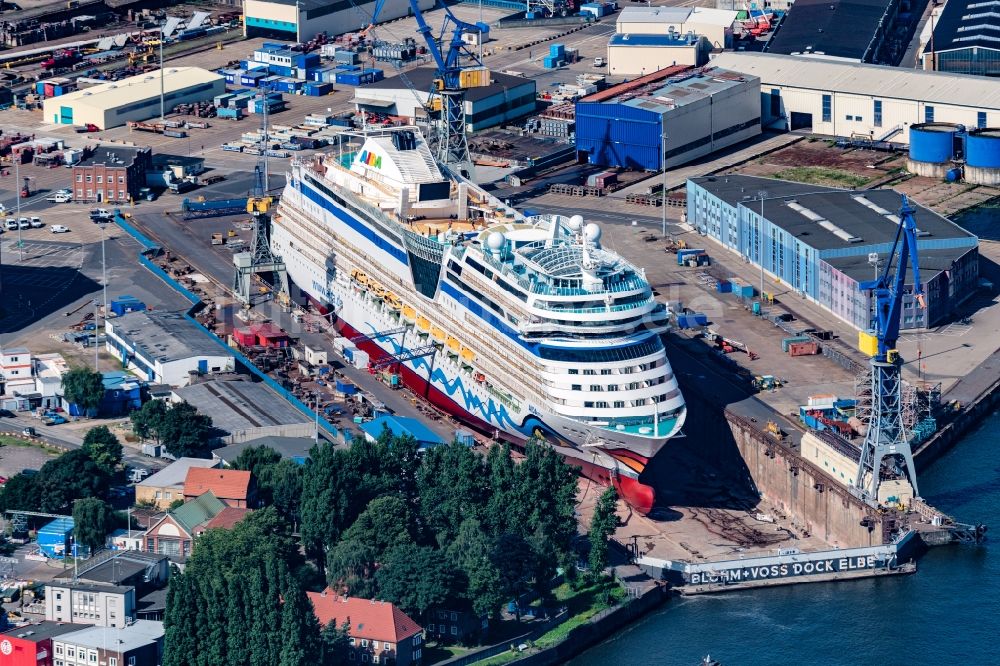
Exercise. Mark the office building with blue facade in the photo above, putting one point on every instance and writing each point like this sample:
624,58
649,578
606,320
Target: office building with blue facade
820,242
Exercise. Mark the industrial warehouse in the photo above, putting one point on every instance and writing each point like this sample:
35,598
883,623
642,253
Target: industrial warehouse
506,98
136,98
653,38
675,118
818,240
964,40
870,101
302,20
857,31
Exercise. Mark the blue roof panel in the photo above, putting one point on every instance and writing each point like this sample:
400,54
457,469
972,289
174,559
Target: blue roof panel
400,426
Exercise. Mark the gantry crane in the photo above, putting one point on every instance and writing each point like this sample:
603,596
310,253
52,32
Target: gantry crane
886,437
452,146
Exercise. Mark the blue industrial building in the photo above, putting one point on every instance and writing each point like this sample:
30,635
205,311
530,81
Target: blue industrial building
54,540
696,112
401,426
817,241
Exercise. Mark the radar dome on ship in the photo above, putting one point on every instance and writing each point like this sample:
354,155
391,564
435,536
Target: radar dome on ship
592,232
495,241
575,223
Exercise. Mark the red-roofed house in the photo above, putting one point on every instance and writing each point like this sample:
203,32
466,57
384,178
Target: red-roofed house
379,632
235,487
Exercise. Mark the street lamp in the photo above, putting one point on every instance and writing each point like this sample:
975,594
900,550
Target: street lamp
162,37
17,192
663,140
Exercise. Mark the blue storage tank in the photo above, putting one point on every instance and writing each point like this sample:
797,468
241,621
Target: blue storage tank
982,157
932,147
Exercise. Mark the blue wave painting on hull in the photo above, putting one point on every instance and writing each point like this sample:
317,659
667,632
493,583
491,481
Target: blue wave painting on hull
490,412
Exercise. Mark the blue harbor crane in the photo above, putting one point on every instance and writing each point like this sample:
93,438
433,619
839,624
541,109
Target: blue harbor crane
886,437
450,83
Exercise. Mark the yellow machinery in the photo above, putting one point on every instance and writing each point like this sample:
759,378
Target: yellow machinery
259,204
774,430
867,343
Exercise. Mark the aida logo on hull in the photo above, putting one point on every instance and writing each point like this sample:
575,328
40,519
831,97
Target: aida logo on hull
370,159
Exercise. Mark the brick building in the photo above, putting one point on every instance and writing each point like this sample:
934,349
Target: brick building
31,645
113,174
379,632
175,533
235,487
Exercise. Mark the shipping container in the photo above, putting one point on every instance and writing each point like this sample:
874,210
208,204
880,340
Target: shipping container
346,387
787,342
317,89
724,286
803,349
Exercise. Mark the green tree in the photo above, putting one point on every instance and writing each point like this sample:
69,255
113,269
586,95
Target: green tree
240,601
415,578
546,488
92,520
279,482
146,422
83,387
505,509
298,619
385,524
515,561
336,642
21,492
103,448
184,431
326,501
453,487
283,485
602,526
472,552
69,477
256,459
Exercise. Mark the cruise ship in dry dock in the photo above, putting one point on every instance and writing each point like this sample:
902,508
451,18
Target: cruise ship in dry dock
540,330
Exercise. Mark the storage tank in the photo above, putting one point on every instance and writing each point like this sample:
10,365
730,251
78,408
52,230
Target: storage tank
982,157
932,147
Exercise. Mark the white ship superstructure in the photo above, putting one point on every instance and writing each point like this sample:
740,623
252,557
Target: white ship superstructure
539,329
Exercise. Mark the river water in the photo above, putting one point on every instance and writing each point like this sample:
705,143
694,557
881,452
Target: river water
946,613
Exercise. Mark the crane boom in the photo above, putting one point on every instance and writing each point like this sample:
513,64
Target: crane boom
886,437
453,149
888,289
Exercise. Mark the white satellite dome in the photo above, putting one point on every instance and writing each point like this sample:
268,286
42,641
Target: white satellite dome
495,241
592,232
575,223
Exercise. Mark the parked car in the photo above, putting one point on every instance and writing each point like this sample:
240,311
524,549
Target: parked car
29,432
101,214
36,222
60,197
23,223
59,229
10,224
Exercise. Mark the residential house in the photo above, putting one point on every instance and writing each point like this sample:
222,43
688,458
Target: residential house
82,603
379,633
31,644
138,644
235,487
175,533
167,485
454,624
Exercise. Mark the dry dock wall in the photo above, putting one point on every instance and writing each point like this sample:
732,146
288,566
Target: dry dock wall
801,490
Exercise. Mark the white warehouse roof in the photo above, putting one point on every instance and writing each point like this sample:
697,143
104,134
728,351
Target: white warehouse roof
701,15
144,86
980,92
